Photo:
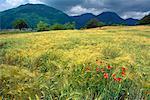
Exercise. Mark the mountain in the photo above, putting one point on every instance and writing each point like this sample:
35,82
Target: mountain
110,18
131,21
145,20
33,13
81,20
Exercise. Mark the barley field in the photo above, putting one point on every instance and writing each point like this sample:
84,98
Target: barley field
108,63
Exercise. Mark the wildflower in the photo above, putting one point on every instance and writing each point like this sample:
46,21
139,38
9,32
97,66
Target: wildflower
115,79
102,70
106,75
87,69
118,79
97,69
98,62
123,74
109,67
113,75
123,69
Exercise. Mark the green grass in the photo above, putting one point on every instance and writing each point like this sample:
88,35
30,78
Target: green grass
52,65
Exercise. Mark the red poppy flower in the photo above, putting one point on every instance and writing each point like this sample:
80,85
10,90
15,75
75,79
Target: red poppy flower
115,79
113,75
123,74
123,69
118,79
109,67
106,75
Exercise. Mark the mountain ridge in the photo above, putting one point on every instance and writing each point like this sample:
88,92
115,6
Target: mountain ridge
108,18
33,13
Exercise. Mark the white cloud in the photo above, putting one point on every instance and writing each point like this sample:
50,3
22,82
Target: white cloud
10,4
35,1
13,2
136,15
124,8
7,4
78,10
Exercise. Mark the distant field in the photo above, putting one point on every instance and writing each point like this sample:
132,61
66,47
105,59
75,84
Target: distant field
30,62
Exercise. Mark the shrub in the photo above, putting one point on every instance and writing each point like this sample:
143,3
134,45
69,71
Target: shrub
93,23
42,26
20,24
57,27
68,26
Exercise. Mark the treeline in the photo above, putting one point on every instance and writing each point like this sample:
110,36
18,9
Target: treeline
43,26
93,23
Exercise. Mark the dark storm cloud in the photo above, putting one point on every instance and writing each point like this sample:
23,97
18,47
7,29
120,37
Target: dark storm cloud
62,4
125,8
128,5
136,8
125,5
128,8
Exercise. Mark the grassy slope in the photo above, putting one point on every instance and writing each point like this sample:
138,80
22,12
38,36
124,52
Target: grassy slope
120,46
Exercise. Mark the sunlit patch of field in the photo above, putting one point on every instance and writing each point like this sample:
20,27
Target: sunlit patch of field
29,56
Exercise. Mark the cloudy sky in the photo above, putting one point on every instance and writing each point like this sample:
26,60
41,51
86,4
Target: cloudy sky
125,8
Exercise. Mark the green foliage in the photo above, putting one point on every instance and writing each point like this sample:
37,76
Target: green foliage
110,52
57,27
42,26
93,23
69,26
80,82
89,81
20,24
47,62
66,26
145,20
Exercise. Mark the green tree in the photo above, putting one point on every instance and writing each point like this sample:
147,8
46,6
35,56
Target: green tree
93,23
20,24
42,26
57,26
69,26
